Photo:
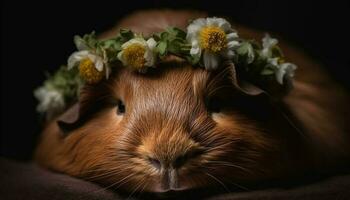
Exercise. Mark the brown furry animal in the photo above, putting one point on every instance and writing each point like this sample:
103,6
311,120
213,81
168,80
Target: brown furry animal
181,127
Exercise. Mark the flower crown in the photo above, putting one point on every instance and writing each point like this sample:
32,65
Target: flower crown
207,43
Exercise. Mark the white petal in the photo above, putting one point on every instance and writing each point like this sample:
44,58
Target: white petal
194,43
121,57
224,24
140,41
273,61
212,21
268,41
195,51
194,28
285,69
232,36
228,54
50,100
150,58
290,68
192,32
200,22
99,64
76,57
211,61
80,43
97,60
151,43
232,44
265,53
279,76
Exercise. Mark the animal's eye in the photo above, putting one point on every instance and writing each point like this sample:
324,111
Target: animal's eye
120,108
214,105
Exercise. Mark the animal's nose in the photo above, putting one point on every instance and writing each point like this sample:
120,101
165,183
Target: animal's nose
174,162
169,166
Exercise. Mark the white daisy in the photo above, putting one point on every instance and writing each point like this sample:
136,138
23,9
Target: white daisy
138,53
91,66
268,43
282,69
51,101
285,70
212,37
78,56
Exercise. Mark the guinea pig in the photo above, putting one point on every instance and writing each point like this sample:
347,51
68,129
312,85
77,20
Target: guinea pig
181,127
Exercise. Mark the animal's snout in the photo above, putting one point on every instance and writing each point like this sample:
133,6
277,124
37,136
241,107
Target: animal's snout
170,155
174,162
169,167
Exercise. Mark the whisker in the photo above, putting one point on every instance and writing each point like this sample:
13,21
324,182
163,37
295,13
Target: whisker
235,184
105,188
239,186
122,181
217,180
222,163
108,173
134,190
125,181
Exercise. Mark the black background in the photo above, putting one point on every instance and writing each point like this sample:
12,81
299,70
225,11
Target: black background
37,36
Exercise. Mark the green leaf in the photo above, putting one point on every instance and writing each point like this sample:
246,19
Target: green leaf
162,47
67,81
247,52
91,39
156,37
164,35
126,34
175,46
115,44
192,59
267,71
87,42
176,32
80,43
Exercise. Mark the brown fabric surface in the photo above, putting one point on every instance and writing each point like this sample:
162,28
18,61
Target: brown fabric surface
28,181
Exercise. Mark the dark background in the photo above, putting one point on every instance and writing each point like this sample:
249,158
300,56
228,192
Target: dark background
37,36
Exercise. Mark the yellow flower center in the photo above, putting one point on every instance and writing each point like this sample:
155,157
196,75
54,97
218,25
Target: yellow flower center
88,71
133,55
213,38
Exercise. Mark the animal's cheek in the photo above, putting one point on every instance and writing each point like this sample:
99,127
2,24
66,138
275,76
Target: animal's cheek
245,132
94,142
222,119
227,122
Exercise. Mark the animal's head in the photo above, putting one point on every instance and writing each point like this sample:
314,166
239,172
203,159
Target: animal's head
174,128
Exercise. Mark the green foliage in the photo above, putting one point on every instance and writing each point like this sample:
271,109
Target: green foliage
172,40
258,65
67,82
246,52
87,42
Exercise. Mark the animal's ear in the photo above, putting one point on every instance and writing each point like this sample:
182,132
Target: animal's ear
242,86
277,113
71,119
268,88
90,101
